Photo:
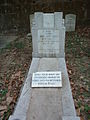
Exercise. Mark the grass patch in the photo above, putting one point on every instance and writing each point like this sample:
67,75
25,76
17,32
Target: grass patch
86,94
3,93
79,104
2,50
9,46
15,44
19,45
77,45
87,110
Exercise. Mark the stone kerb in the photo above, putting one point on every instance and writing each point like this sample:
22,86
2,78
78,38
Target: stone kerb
47,31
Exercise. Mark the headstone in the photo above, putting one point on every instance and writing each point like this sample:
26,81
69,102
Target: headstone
48,35
70,22
47,79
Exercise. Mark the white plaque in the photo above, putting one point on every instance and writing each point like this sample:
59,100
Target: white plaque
48,20
48,42
47,79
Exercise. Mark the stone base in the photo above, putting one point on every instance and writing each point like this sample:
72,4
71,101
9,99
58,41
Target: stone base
70,118
17,117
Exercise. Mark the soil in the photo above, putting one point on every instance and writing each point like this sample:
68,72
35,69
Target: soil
15,60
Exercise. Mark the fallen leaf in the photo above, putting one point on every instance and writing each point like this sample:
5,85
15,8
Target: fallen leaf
89,111
81,77
78,112
3,108
18,74
9,100
70,72
81,118
82,108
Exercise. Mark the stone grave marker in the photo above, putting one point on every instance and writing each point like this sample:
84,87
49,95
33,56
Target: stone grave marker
50,103
48,35
70,22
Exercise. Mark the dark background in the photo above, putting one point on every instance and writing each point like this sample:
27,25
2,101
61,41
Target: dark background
14,14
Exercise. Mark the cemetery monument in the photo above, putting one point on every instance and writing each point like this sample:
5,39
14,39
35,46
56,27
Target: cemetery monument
46,94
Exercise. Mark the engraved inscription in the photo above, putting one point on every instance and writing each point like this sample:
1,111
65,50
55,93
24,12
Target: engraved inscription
47,79
48,42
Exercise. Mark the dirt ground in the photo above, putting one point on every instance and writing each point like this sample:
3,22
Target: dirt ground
15,60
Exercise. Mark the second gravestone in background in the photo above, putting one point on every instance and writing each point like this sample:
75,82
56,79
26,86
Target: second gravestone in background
70,22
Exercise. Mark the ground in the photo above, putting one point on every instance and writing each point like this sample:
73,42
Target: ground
15,60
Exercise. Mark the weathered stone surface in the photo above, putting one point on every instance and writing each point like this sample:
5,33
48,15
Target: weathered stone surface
48,35
38,19
45,104
58,20
50,103
68,104
48,64
48,42
48,20
17,117
70,118
70,22
56,101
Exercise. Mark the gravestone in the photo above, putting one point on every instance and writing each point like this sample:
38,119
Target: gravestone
54,102
48,35
70,22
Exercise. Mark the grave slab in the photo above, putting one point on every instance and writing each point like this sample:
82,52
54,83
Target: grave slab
56,101
47,103
35,104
